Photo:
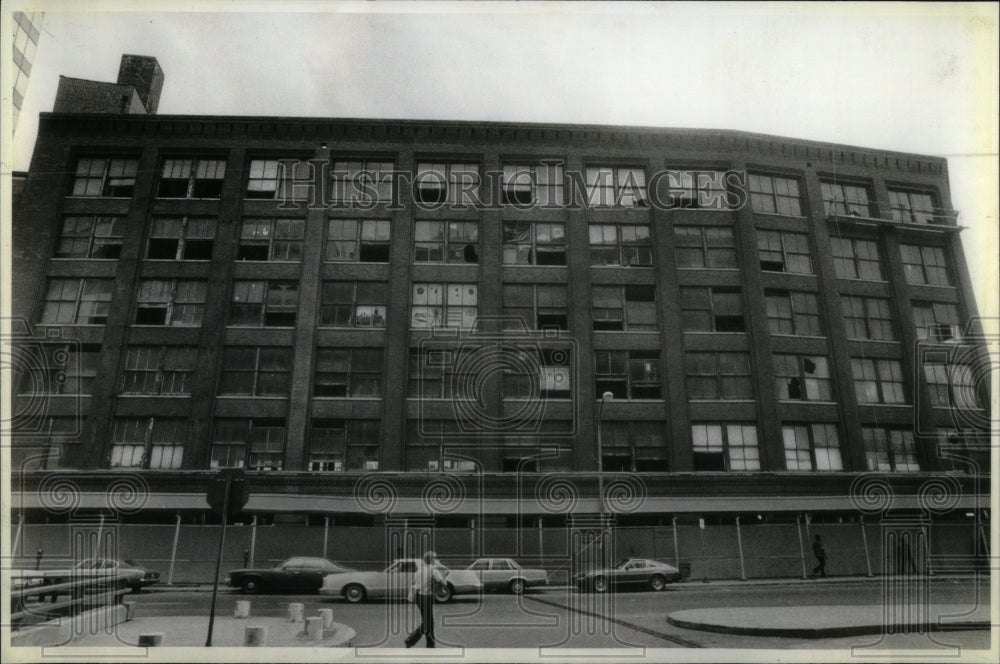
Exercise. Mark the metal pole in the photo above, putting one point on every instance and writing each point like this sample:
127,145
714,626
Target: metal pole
173,550
802,551
326,533
100,533
677,553
864,540
739,545
472,537
218,561
253,540
17,535
541,545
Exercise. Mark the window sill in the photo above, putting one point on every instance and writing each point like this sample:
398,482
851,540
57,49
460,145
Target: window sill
722,401
271,397
884,405
327,260
712,332
176,260
373,397
81,258
166,326
794,274
114,198
155,395
714,269
875,341
343,327
806,401
258,327
862,280
822,337
949,286
624,267
188,198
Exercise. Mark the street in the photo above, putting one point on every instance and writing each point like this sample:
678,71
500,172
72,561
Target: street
563,618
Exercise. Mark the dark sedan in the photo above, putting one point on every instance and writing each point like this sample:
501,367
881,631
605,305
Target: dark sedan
631,572
299,574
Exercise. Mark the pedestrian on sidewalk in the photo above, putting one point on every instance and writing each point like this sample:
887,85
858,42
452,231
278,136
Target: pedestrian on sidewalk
425,584
820,554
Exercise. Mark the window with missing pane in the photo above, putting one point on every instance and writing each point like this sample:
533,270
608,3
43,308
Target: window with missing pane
271,240
348,372
181,238
705,247
105,177
535,306
628,374
77,302
714,375
846,199
634,447
783,252
714,309
156,443
772,194
812,447
191,178
254,443
274,179
889,449
856,259
802,377
937,321
725,447
361,240
925,265
173,302
697,190
534,243
628,308
792,312
914,207
362,182
91,236
627,245
264,303
337,444
261,371
353,304
538,184
614,186
446,242
159,370
440,183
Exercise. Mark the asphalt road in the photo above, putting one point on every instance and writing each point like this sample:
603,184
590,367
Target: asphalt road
563,618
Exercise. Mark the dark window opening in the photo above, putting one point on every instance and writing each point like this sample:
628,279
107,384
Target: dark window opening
431,195
107,251
163,248
374,253
279,319
729,324
198,250
470,254
512,196
772,266
518,464
151,316
709,461
615,463
646,392
652,466
545,256
172,188
252,252
616,387
550,320
207,189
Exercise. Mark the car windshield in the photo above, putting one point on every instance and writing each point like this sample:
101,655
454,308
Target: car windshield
514,565
622,563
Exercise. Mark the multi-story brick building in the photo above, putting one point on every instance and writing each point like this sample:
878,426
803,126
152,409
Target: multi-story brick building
775,319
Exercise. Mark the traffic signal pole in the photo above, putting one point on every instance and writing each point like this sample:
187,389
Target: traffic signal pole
218,560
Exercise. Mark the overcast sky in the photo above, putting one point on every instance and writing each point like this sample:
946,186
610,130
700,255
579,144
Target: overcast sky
918,77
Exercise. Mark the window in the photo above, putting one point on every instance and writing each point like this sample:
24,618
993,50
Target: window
443,374
337,445
256,371
634,447
353,304
868,318
148,442
952,385
366,241
348,372
937,322
715,309
271,240
967,450
791,312
159,369
105,177
533,184
181,238
538,307
616,187
59,368
444,305
620,244
528,373
265,438
91,236
175,302
718,376
877,381
723,447
697,189
889,449
802,377
534,243
273,178
913,207
811,447
264,303
924,265
856,259
845,199
457,184
783,252
705,247
624,307
446,242
362,182
192,178
77,302
628,374
774,195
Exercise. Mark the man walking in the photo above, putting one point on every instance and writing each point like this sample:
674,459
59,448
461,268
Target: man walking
425,582
820,554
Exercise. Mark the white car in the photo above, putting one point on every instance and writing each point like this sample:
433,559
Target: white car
505,574
395,581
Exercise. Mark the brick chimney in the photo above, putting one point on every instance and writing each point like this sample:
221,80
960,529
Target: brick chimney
144,74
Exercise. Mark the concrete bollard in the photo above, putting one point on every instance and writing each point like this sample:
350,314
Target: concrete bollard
295,611
150,639
327,616
255,637
242,609
314,628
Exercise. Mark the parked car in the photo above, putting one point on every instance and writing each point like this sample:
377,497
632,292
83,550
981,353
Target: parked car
134,575
394,582
298,574
631,572
506,575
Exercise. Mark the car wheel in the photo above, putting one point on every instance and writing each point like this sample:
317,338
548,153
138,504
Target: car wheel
657,582
444,593
600,585
354,593
250,586
517,586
